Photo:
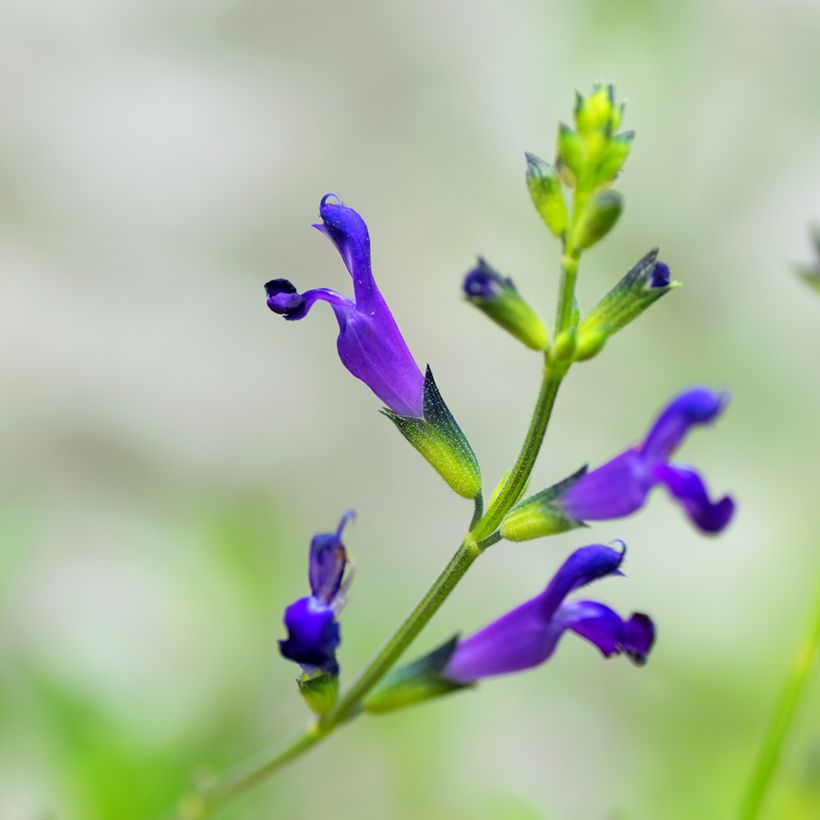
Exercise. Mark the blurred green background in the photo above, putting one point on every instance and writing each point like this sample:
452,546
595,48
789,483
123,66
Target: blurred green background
169,446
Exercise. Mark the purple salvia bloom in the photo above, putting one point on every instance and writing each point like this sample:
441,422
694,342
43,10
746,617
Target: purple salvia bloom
527,636
620,487
311,622
370,344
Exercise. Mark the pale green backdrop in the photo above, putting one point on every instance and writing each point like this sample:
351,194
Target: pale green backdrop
169,446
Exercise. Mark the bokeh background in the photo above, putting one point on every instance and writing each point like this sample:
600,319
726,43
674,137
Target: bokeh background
169,446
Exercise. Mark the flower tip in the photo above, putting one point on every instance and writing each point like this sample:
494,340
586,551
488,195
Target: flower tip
638,638
347,516
661,276
482,282
284,299
326,201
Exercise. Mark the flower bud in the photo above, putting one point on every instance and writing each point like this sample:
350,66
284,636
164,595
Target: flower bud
598,219
644,284
545,190
598,112
497,297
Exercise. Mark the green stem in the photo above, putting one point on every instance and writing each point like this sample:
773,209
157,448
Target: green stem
392,650
520,473
783,718
201,805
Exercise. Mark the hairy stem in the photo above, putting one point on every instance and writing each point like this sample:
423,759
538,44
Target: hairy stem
783,718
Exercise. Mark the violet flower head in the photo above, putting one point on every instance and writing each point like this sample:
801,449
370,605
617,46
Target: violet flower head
370,344
620,487
313,628
528,635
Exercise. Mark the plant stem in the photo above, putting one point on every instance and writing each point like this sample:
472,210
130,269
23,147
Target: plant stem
783,718
392,650
520,472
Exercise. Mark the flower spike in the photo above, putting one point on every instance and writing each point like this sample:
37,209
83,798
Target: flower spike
621,486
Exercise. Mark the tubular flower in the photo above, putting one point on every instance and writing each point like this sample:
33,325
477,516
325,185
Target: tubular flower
621,486
370,344
311,622
372,349
527,636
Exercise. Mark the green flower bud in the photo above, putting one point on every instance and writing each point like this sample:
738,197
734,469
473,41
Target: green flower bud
598,112
570,157
546,193
497,297
643,285
597,219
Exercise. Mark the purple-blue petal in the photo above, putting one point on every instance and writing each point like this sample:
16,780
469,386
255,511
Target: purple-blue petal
373,350
348,232
698,405
328,561
613,490
605,629
661,275
285,299
687,487
313,635
518,640
483,282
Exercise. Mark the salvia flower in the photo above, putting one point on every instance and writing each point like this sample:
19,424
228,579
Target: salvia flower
311,622
526,636
370,344
621,486
371,347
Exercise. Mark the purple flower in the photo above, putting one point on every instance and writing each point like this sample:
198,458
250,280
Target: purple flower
528,635
313,629
369,344
621,486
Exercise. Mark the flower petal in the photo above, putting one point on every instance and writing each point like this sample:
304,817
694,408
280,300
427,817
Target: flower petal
613,490
313,636
604,628
686,485
373,350
698,405
328,561
285,299
584,566
348,232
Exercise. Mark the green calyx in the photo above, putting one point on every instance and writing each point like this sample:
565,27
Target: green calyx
547,196
320,691
497,297
416,682
440,440
541,514
642,286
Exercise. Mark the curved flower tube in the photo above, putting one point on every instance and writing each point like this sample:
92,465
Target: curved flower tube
313,628
370,344
528,635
